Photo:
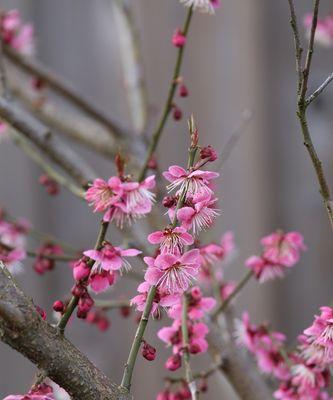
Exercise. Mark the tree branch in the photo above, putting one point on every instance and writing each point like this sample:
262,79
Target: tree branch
42,137
59,85
22,328
320,90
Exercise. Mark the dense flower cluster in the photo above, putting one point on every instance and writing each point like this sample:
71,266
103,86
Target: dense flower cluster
121,200
280,252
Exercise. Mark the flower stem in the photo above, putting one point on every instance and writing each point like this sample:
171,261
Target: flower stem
186,354
168,105
129,367
238,288
75,300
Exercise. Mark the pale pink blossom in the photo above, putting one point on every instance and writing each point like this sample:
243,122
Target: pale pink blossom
309,378
172,336
173,273
196,181
171,240
12,258
198,305
212,253
102,195
283,248
161,299
43,392
205,6
263,270
14,234
201,214
111,258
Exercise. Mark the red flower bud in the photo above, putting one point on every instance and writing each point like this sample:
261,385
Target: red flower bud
173,363
178,38
58,306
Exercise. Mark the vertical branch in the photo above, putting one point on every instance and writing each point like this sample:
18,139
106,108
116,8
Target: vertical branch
302,104
167,108
186,354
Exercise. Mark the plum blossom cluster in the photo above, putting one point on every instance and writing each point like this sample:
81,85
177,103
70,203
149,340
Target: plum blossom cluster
120,199
324,30
303,373
15,33
281,251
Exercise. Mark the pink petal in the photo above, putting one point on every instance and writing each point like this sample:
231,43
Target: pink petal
155,237
153,275
130,252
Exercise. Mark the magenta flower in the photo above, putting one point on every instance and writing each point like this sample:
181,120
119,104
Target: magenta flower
196,181
171,240
172,273
162,298
111,258
198,305
201,214
101,280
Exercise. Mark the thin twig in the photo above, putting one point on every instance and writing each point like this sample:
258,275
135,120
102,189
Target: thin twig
235,292
320,90
190,380
24,145
112,304
198,375
168,104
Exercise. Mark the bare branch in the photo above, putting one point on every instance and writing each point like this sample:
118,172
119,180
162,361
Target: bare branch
23,329
42,137
320,90
65,89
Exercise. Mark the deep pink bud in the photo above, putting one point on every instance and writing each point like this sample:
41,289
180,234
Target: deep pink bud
203,386
208,152
152,163
194,348
41,312
178,38
125,311
85,302
58,306
103,324
183,91
177,113
173,363
196,293
148,352
78,290
165,395
82,314
81,270
185,392
92,317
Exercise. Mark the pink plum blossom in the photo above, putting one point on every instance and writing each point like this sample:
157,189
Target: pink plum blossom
198,305
162,298
102,195
172,273
171,240
196,181
111,258
12,258
43,392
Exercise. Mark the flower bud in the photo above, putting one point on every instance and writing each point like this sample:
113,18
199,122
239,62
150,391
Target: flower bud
58,306
208,152
178,38
177,113
173,363
148,352
81,270
183,91
194,348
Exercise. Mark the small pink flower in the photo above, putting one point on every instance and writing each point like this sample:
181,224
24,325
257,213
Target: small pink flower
201,214
212,253
139,198
172,273
283,248
198,305
43,392
161,298
102,195
101,280
194,181
178,39
263,270
171,240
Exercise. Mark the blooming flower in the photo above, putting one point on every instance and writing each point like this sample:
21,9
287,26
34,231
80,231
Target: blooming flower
171,240
194,181
172,273
212,253
101,195
111,258
162,298
206,6
199,213
197,336
197,305
14,234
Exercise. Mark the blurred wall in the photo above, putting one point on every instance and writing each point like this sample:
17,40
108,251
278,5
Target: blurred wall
241,58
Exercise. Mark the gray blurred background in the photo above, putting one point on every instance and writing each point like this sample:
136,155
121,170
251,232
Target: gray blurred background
241,58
